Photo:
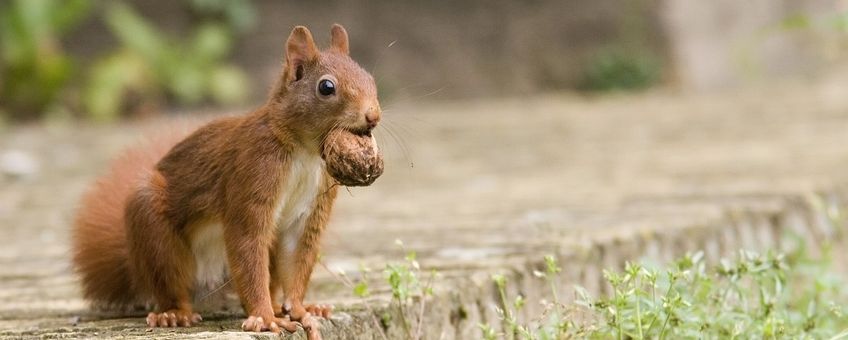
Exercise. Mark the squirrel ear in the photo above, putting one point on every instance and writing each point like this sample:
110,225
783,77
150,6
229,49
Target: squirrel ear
300,49
338,39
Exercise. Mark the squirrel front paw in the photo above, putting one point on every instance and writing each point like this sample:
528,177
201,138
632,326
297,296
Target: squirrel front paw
173,318
268,324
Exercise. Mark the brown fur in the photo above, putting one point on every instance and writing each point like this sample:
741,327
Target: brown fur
99,238
133,235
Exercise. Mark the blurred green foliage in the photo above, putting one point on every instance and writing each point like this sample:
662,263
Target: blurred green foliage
621,69
151,65
626,64
836,23
240,15
33,68
148,63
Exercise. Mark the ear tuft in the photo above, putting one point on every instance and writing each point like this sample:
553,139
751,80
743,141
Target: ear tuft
338,39
300,50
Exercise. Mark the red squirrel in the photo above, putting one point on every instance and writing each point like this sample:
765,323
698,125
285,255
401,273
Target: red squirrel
244,196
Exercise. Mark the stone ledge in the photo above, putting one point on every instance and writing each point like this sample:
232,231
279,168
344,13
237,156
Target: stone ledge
465,298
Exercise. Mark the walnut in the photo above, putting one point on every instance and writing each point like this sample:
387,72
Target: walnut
352,159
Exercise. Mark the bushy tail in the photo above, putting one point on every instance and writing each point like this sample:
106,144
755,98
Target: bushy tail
100,250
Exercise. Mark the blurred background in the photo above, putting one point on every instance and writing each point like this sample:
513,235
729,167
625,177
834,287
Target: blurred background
103,60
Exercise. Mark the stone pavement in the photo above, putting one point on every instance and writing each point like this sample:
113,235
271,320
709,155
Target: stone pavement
478,187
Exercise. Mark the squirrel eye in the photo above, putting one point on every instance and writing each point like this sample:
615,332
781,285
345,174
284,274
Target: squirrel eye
326,87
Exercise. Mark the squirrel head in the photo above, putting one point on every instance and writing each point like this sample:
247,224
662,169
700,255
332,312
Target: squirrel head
320,90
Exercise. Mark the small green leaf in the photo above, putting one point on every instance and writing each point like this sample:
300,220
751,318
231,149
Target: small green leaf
361,289
499,279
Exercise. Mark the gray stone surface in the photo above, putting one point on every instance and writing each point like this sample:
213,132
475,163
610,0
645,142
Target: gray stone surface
478,188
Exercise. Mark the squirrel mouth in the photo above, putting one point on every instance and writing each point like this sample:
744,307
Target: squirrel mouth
360,131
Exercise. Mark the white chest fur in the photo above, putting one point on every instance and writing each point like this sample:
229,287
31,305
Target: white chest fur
298,192
297,197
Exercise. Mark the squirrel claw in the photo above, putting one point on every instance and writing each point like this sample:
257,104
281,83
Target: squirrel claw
273,324
319,310
258,324
311,326
288,324
173,318
323,311
309,323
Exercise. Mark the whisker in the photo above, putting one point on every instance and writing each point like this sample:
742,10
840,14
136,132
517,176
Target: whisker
390,110
204,297
405,129
335,184
395,120
394,142
393,126
431,93
399,141
377,61
417,120
410,86
385,141
323,136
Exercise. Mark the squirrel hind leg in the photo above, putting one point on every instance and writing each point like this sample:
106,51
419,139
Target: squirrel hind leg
161,259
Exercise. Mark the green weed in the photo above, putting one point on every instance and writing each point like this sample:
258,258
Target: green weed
770,295
760,296
410,287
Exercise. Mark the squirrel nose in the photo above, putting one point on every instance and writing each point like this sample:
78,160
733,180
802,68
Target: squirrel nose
372,118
